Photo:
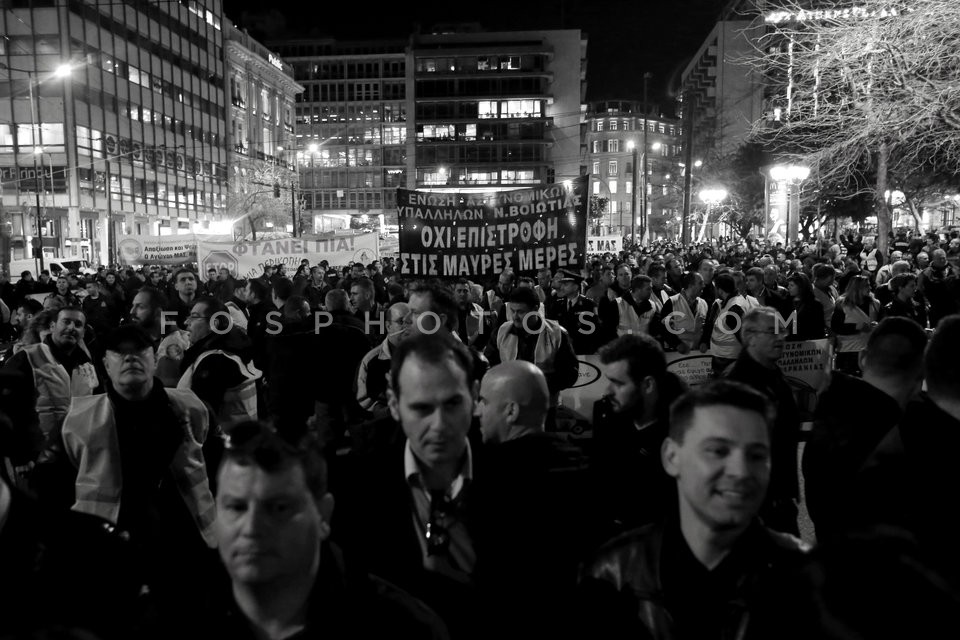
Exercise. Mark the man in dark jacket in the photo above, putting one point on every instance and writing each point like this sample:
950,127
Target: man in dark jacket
630,424
286,578
763,343
528,545
854,415
218,366
701,573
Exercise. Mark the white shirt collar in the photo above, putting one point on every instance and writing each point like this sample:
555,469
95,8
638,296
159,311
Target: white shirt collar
411,470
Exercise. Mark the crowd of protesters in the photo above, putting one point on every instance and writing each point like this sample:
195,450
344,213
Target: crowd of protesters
343,452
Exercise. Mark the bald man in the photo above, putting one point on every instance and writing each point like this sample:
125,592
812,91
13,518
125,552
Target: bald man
532,504
513,402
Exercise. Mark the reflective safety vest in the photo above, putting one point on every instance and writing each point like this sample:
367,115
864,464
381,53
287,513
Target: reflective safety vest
55,387
869,260
239,402
91,443
723,343
687,323
630,323
545,352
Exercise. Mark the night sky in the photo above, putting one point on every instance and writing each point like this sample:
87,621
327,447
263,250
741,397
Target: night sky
625,37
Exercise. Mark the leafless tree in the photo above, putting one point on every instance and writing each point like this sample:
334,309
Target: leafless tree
867,91
253,191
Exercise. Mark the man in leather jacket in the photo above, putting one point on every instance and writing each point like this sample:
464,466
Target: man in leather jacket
698,574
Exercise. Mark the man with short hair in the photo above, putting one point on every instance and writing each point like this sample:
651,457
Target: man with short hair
700,573
473,325
218,365
56,371
854,414
904,304
940,286
630,423
367,310
185,285
405,507
909,480
635,312
287,579
534,480
684,315
824,290
532,338
374,368
764,338
722,327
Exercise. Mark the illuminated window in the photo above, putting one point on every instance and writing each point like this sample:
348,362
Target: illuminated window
613,125
628,186
626,125
614,206
613,146
596,147
596,168
612,168
596,188
664,189
599,125
487,109
612,184
509,62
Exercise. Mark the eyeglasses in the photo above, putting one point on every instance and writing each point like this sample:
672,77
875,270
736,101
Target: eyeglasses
437,535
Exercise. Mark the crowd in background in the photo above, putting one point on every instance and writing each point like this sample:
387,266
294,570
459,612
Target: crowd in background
341,451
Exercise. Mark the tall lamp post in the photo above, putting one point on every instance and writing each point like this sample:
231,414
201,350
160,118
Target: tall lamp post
631,146
792,175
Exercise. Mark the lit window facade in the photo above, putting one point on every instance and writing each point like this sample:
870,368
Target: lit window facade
137,132
607,147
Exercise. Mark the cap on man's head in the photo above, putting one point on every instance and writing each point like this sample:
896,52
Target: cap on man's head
570,276
333,273
128,338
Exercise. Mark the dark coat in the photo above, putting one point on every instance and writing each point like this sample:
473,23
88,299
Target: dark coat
345,603
630,589
577,321
784,482
852,418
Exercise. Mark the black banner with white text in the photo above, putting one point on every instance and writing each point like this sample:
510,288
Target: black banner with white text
451,235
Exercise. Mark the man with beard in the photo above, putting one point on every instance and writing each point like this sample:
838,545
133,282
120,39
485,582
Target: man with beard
630,423
473,325
763,341
702,572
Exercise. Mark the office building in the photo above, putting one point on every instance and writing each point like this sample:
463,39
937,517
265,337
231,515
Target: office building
139,116
615,129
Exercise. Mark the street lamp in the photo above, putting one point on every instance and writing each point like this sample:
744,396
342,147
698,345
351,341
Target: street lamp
710,197
794,175
631,146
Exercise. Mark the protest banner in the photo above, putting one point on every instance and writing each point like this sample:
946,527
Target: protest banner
247,259
450,235
604,244
805,365
164,250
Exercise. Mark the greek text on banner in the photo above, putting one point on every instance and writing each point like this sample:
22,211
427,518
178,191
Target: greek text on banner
450,235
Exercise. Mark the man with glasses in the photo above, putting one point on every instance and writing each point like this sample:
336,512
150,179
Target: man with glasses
764,334
136,452
405,508
287,578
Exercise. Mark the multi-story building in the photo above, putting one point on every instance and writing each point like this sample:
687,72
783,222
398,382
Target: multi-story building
723,93
446,110
352,127
495,110
261,141
622,141
139,116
